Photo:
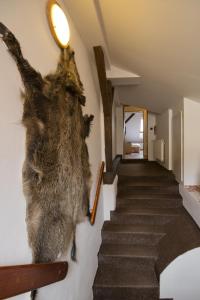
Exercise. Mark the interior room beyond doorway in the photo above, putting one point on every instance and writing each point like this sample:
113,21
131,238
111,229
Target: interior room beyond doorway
134,133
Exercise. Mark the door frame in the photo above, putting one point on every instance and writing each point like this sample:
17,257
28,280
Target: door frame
130,108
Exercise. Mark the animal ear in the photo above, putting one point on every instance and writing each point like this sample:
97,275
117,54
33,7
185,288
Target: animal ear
82,100
87,124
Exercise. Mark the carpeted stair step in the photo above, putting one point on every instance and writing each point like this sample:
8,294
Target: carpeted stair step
147,190
138,170
148,211
141,234
142,170
150,202
125,282
147,180
118,253
137,195
156,216
134,241
118,260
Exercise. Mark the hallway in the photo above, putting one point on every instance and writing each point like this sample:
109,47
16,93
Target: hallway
148,230
93,95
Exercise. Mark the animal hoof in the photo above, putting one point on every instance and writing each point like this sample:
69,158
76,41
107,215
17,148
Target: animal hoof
3,29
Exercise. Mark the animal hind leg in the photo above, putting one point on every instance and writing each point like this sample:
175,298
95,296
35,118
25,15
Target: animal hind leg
52,239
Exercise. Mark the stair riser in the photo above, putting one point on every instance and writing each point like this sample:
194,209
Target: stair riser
129,192
122,179
120,293
151,190
140,219
148,183
149,203
126,261
132,238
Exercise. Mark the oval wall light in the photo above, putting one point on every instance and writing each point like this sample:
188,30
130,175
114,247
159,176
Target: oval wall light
58,23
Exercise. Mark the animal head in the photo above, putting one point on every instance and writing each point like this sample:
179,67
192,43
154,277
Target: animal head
87,125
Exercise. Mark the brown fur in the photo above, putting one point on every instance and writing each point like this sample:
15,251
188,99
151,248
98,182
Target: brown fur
56,171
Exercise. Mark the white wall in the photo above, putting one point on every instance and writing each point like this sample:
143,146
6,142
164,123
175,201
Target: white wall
164,131
133,127
29,23
151,135
191,142
177,140
109,192
191,202
180,280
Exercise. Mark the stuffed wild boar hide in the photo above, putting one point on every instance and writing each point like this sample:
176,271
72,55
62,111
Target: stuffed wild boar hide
56,171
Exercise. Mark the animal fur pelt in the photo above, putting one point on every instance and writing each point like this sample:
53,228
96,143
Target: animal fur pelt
56,171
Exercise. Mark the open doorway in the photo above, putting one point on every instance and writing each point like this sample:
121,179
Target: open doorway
135,133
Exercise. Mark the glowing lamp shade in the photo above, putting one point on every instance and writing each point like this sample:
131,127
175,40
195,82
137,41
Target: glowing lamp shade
58,24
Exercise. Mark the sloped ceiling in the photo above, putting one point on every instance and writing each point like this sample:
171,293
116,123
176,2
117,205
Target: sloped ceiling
157,39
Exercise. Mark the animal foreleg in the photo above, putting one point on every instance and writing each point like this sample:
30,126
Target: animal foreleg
30,77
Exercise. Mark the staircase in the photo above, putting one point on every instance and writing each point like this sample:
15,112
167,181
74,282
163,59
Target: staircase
137,242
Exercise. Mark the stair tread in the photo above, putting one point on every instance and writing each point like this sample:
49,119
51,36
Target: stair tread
147,185
143,190
145,204
147,211
133,228
141,169
149,201
122,250
161,196
109,275
166,177
155,183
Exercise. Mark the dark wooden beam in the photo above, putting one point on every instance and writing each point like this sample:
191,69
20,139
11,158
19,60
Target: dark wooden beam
15,280
107,93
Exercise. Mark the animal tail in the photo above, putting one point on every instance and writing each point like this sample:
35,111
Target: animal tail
51,238
88,210
34,294
73,250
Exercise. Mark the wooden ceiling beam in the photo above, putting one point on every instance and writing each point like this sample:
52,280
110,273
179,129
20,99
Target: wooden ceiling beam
107,93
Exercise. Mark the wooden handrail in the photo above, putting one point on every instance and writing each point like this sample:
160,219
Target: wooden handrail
96,200
15,280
